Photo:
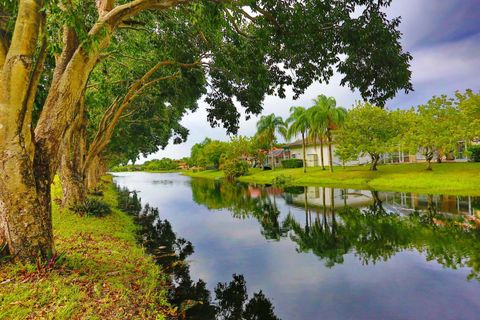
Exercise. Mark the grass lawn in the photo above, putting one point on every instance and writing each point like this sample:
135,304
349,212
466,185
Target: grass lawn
105,275
448,178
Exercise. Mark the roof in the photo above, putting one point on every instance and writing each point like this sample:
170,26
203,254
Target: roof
298,143
277,152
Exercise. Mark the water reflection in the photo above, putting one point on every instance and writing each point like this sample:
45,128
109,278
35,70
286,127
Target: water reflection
243,202
372,225
171,252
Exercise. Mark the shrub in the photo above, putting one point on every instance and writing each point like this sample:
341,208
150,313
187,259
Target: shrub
235,168
164,164
281,180
292,163
128,201
474,153
92,207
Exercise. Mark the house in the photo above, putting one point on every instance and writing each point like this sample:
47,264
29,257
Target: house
314,152
278,155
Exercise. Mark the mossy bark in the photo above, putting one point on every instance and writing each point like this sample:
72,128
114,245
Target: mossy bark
71,171
29,161
25,224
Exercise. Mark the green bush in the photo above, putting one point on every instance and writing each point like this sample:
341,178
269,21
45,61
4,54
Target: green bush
292,163
235,168
281,180
92,207
160,165
474,153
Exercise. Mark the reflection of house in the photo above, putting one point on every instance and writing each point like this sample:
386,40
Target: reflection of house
397,202
318,197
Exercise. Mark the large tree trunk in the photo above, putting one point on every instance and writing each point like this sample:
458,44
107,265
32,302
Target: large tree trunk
429,156
25,222
27,162
94,172
429,165
72,173
375,158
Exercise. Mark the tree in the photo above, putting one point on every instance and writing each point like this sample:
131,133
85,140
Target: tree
469,106
240,51
333,118
434,128
299,124
209,153
196,155
318,123
368,130
267,127
214,152
240,147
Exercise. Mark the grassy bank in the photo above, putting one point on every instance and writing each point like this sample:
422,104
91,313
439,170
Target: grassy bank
105,274
121,169
448,178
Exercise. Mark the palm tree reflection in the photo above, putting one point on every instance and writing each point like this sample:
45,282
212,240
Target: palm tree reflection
371,233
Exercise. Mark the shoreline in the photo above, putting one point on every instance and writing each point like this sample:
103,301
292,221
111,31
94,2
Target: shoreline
105,274
445,178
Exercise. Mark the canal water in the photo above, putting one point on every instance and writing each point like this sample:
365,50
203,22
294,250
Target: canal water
323,253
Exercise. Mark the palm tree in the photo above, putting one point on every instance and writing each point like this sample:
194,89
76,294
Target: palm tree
328,117
267,127
318,124
299,124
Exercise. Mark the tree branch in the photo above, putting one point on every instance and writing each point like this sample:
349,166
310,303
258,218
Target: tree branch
269,17
35,78
123,12
231,19
16,71
114,113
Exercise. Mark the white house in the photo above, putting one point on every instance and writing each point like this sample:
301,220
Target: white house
314,155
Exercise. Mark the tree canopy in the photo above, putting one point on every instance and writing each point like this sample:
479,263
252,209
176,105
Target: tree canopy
367,130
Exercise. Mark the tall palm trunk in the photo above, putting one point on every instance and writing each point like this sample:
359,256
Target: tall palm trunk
304,153
330,153
321,153
273,156
305,201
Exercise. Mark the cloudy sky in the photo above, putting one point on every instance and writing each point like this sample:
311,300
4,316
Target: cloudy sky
443,37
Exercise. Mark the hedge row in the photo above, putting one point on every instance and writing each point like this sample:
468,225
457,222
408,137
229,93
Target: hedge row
292,163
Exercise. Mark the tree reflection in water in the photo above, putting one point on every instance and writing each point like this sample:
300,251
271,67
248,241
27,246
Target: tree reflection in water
372,233
244,202
192,298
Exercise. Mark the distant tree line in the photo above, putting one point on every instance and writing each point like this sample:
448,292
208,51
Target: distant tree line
434,130
164,164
